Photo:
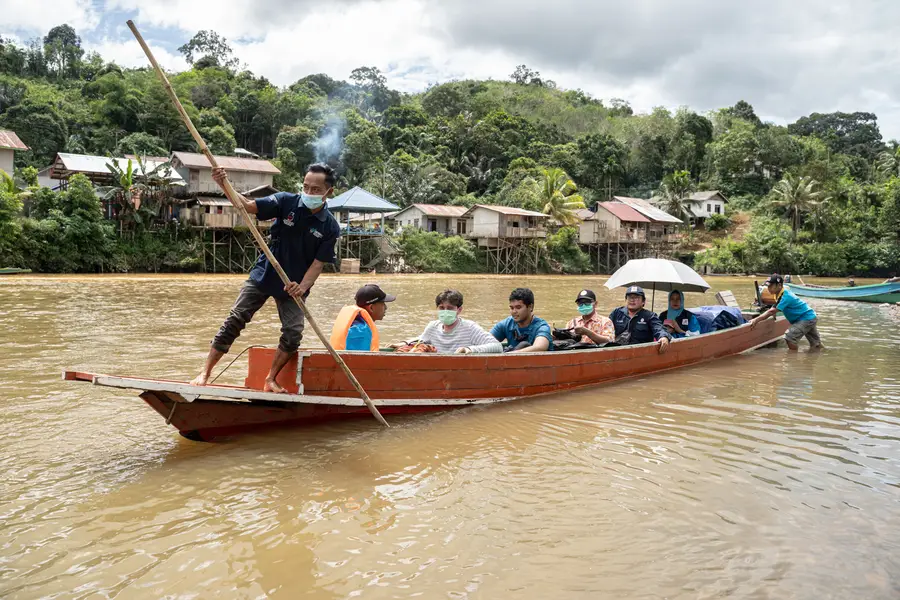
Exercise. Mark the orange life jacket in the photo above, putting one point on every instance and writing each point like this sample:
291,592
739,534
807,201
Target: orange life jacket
342,325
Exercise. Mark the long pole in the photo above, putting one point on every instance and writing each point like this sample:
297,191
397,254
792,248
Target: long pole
232,195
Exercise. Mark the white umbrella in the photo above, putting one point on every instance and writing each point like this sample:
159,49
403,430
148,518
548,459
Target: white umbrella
658,274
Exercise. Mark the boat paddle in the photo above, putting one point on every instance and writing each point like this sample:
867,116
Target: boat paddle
232,196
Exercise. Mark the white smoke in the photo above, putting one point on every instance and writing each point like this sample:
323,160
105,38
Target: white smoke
331,140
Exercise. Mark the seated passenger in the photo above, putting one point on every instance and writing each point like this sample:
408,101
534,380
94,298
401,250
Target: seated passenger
591,326
453,334
522,331
677,320
354,328
637,325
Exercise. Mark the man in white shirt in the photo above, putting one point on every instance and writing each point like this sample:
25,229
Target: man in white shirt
450,333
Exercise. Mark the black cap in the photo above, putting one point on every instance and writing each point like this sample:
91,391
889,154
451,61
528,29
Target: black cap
370,294
586,295
774,278
635,289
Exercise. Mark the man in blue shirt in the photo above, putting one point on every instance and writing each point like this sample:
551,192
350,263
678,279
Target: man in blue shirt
523,331
303,239
635,324
802,318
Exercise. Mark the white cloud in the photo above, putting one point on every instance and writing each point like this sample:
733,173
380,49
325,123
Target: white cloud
128,53
36,17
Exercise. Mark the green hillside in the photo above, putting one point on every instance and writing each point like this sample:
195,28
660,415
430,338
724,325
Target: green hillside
822,192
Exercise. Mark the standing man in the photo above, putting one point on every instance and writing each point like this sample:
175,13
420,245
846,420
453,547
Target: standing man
523,331
802,318
591,326
637,325
303,239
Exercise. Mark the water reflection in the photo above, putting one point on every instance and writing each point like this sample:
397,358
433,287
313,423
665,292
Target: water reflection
763,475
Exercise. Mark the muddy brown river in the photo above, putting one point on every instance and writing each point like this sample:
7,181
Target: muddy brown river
765,475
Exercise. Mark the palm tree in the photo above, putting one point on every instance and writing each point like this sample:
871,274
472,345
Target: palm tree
559,197
674,189
797,196
888,163
8,185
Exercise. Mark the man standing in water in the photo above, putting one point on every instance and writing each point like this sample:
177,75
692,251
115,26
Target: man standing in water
303,239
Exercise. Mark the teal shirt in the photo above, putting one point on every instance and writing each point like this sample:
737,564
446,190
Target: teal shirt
795,309
508,330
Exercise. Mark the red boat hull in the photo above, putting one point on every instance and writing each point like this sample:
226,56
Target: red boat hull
406,384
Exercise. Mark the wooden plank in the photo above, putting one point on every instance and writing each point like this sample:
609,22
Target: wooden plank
726,298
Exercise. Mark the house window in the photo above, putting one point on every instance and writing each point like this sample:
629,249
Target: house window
220,210
415,223
515,223
718,209
432,225
709,208
460,227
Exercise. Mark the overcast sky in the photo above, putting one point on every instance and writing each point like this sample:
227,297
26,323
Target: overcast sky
787,58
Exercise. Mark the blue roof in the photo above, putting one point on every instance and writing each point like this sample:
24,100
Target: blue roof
360,201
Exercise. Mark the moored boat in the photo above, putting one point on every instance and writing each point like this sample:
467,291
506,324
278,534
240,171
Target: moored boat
412,383
878,293
13,271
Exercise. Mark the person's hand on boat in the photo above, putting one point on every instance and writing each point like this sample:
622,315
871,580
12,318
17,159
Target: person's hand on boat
663,345
296,290
463,351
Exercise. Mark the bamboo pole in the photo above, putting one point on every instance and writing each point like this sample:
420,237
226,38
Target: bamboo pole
232,196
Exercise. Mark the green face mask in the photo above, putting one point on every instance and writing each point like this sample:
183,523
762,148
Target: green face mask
447,317
585,309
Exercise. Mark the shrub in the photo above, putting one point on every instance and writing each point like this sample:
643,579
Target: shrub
717,222
564,254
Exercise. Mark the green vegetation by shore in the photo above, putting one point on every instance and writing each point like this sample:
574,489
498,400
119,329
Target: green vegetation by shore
822,194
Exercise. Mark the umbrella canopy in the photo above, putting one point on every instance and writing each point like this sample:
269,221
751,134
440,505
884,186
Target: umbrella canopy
658,274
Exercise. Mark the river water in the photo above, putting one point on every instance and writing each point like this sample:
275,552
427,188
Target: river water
766,475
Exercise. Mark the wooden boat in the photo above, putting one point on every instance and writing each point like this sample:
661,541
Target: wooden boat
879,292
411,383
13,271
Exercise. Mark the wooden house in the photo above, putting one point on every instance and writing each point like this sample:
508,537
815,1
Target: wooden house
9,145
663,226
216,212
244,173
700,205
491,223
441,218
613,223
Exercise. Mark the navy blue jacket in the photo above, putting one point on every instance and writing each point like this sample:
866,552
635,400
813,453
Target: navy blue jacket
646,326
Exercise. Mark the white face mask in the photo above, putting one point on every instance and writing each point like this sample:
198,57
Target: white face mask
447,317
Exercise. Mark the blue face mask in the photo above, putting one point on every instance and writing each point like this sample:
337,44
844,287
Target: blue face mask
311,202
585,309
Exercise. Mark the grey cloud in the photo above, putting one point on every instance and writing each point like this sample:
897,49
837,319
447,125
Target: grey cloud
786,58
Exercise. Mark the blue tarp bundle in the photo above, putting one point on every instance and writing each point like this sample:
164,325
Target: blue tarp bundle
714,318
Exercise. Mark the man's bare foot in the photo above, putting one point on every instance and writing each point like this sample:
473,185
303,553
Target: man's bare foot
272,386
200,379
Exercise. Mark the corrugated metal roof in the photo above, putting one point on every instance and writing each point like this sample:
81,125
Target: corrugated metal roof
584,213
507,210
648,210
624,212
360,201
192,160
67,164
703,196
438,210
213,201
10,141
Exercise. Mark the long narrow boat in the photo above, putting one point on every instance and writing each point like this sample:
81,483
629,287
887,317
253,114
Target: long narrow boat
879,292
13,271
411,383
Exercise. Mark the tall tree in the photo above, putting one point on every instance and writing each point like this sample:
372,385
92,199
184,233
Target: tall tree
674,190
559,196
212,48
63,52
849,133
798,196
